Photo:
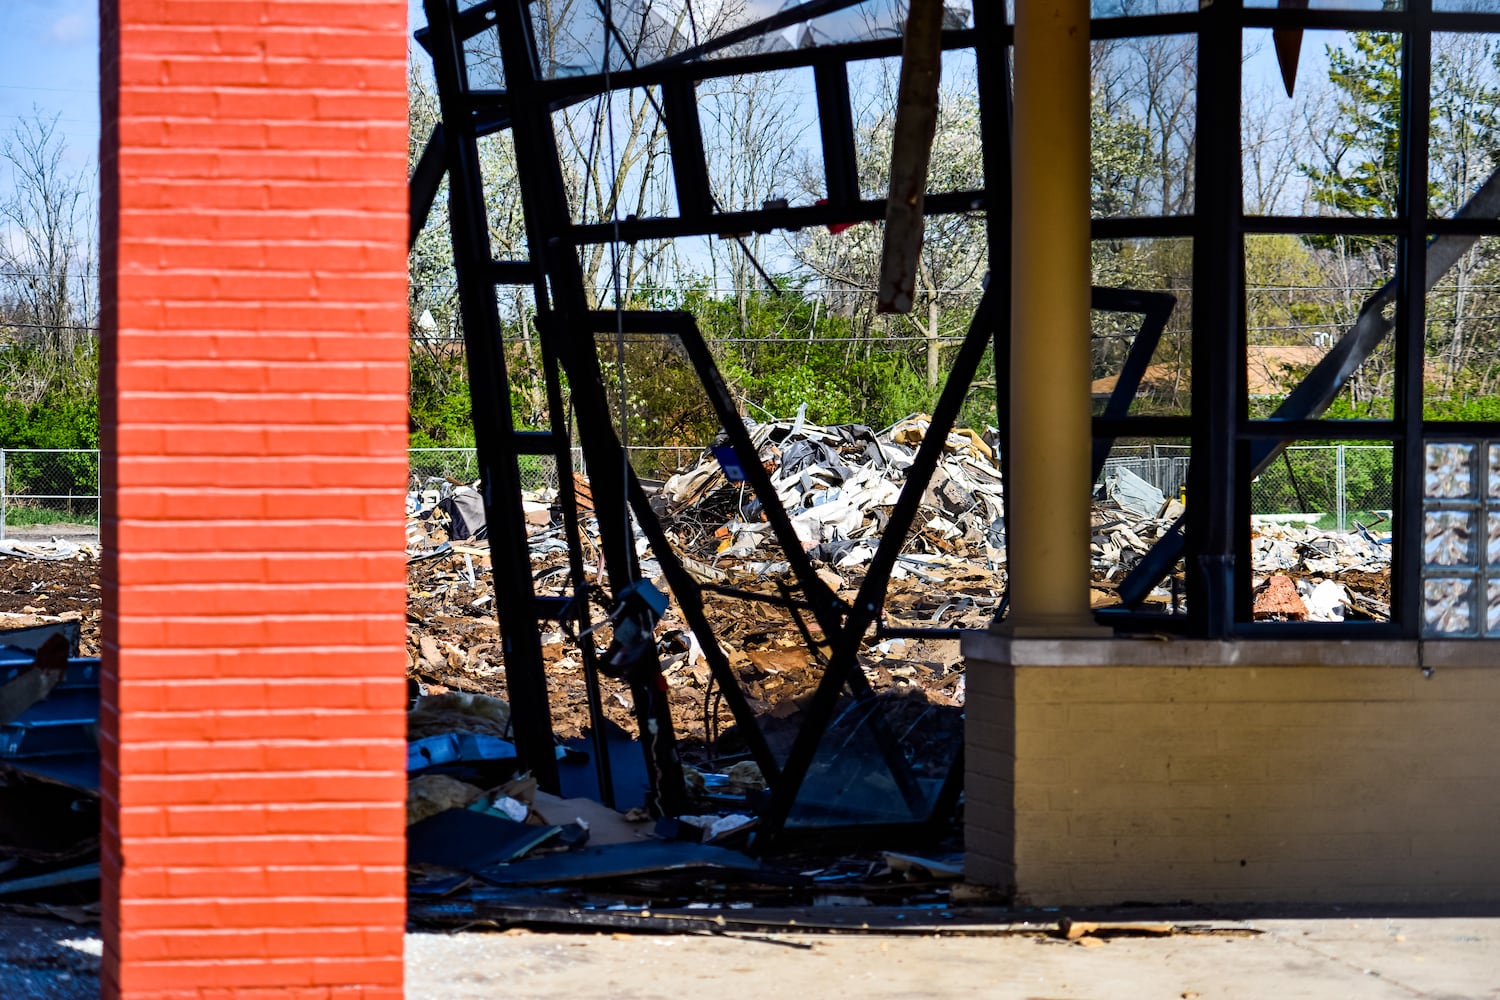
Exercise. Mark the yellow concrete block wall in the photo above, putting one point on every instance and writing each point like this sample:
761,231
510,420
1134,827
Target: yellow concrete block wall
1288,783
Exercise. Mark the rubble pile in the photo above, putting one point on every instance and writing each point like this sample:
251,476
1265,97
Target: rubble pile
470,812
453,644
1334,575
839,484
1120,536
46,583
1337,574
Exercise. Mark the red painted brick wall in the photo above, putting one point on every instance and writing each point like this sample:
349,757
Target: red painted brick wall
254,401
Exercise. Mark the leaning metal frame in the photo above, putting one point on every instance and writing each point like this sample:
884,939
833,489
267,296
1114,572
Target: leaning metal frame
567,331
1228,447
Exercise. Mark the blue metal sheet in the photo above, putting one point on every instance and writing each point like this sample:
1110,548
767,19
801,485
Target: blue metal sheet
79,771
466,839
617,860
456,748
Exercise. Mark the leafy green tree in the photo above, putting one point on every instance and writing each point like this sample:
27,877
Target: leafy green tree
1359,177
1362,153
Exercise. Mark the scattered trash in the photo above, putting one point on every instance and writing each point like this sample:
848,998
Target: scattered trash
470,840
649,857
429,794
1133,493
58,549
456,748
929,868
456,711
605,825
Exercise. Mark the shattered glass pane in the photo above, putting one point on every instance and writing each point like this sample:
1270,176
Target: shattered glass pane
1140,8
1448,538
1448,606
1335,4
872,19
1449,474
883,759
482,63
571,39
855,22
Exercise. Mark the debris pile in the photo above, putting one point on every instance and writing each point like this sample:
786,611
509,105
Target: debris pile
1333,575
1125,525
1337,574
839,484
485,844
453,644
39,588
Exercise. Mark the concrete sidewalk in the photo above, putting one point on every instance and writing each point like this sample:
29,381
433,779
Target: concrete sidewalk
1439,958
1395,957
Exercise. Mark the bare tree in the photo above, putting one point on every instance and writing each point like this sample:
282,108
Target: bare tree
48,250
1276,143
953,259
754,133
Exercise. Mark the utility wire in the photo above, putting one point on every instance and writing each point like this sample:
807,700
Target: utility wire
50,90
45,326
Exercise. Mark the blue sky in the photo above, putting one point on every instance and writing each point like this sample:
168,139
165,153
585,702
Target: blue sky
49,52
49,60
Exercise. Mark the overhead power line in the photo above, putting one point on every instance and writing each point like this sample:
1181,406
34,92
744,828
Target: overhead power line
50,90
47,326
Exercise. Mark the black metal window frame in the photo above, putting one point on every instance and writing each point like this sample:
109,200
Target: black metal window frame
568,330
1229,446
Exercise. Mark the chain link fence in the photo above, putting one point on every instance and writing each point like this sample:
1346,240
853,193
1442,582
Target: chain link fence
1327,486
539,472
654,462
1164,466
1332,485
48,486
61,486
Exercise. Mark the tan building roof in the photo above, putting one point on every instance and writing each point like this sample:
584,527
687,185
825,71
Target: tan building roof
1270,371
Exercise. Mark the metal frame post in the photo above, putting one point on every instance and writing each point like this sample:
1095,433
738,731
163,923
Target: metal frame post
1341,489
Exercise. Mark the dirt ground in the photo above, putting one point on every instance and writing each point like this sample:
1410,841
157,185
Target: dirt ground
36,590
453,643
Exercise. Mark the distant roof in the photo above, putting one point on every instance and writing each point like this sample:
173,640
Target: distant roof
1270,371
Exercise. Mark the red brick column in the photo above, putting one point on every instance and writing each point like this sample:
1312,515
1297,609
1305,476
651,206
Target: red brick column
254,417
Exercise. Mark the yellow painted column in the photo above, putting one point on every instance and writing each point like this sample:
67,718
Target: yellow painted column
1048,496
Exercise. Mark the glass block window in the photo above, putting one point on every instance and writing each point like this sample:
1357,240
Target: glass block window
1461,539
